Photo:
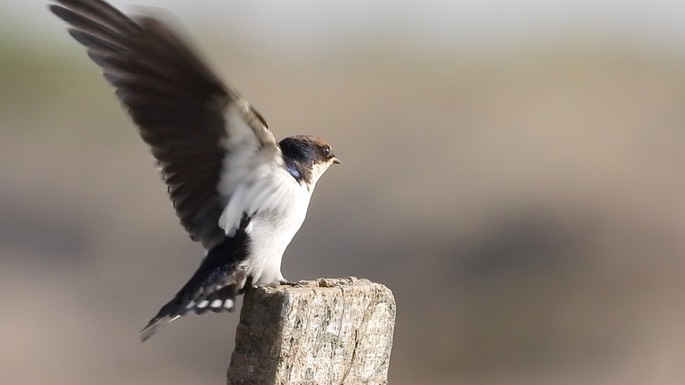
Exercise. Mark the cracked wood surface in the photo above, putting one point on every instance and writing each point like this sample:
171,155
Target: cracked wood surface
327,331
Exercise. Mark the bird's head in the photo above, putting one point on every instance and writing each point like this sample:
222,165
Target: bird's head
307,157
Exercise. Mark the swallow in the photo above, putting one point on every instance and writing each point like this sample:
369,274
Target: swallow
235,189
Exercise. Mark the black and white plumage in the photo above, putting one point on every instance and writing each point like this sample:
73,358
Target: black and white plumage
235,189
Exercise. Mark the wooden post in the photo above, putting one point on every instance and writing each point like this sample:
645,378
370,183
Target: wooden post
323,332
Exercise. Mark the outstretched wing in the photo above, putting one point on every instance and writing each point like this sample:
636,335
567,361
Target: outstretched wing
202,133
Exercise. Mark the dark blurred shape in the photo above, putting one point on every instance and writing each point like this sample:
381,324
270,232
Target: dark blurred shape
528,241
51,235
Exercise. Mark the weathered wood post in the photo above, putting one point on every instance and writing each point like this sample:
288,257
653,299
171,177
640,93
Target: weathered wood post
323,332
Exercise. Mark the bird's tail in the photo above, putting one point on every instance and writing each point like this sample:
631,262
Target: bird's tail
156,324
213,287
217,301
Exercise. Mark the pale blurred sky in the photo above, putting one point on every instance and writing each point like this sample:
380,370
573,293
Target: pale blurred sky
477,25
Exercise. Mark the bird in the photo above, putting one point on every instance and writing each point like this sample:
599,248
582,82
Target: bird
236,190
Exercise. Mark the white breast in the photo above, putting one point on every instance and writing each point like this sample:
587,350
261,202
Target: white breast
277,205
271,232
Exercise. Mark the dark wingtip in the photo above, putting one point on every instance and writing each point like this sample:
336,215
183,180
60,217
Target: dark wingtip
59,11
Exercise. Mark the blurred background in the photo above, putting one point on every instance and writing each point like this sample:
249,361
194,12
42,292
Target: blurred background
512,170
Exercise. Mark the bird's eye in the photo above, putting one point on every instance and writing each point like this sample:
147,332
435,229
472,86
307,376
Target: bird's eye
327,151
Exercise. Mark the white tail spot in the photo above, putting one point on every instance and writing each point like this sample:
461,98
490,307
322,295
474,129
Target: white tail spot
216,303
228,304
203,304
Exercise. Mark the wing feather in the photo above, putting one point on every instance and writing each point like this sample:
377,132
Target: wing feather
212,146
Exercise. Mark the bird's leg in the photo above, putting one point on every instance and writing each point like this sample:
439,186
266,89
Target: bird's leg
282,281
285,282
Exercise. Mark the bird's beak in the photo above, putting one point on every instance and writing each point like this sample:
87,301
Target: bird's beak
336,160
